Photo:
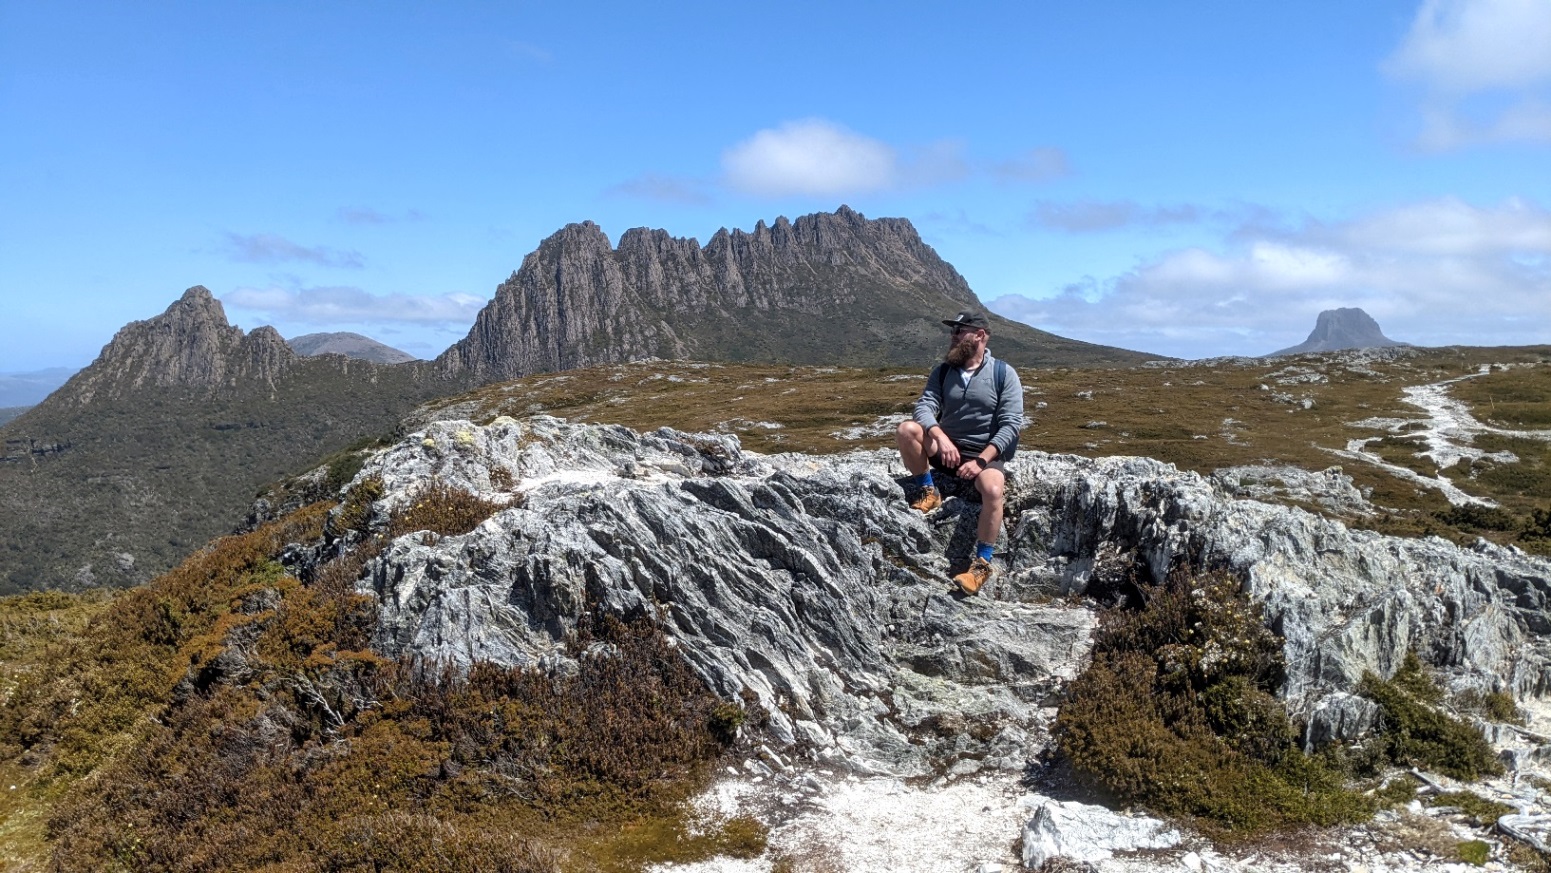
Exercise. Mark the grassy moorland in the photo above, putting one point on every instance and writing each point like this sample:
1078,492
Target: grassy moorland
1201,416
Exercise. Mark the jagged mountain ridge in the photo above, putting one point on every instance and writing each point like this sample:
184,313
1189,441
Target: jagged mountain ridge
828,288
160,443
351,345
1338,329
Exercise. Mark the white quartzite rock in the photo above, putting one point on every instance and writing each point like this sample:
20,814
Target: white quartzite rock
1087,833
808,582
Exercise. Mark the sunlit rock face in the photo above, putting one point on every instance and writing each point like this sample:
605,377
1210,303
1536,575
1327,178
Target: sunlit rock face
807,583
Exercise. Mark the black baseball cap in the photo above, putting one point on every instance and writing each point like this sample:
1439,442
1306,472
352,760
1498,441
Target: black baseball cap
969,318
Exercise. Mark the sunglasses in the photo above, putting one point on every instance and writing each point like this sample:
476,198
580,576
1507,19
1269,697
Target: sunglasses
964,329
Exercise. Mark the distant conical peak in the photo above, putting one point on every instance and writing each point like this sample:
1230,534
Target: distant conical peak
1344,328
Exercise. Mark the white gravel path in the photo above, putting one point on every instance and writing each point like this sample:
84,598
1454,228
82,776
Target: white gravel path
1447,429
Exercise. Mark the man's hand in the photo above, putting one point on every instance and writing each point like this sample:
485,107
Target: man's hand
947,454
971,468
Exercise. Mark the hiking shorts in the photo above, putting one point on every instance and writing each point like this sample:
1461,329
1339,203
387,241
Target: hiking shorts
953,471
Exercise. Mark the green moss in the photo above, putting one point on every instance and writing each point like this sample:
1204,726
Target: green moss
1475,852
726,718
672,841
1474,516
342,468
1398,791
1498,706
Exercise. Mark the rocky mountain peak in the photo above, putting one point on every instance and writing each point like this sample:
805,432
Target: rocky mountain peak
1346,328
190,345
771,294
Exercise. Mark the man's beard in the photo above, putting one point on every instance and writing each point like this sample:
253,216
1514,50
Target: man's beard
961,352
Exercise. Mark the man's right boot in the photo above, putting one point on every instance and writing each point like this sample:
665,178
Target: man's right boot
970,580
928,501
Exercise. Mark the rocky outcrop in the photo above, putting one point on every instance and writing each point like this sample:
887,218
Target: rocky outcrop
808,584
1338,329
190,346
351,345
826,289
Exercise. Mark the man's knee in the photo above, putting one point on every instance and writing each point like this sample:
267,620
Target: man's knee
992,486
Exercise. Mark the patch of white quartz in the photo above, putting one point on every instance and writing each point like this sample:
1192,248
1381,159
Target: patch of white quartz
1448,431
991,824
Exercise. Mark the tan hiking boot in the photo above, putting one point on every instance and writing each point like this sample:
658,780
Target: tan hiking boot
970,580
928,501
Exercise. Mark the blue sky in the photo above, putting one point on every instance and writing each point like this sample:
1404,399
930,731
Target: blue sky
1188,178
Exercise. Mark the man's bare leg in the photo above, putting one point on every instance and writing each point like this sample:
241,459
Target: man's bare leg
991,484
912,447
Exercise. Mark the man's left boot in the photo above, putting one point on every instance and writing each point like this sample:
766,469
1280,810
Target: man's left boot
970,580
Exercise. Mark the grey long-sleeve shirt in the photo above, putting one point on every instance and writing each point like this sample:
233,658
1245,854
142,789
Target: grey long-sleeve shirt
969,414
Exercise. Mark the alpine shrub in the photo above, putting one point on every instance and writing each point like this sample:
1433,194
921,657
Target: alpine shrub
1177,713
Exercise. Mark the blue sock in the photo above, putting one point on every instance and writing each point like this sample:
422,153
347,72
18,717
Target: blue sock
925,479
983,550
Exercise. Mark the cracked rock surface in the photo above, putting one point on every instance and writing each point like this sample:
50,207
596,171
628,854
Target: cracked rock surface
808,582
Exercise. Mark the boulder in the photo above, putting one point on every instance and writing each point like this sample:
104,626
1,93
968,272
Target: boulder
1086,833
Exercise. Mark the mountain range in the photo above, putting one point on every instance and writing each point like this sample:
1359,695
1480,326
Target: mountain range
161,442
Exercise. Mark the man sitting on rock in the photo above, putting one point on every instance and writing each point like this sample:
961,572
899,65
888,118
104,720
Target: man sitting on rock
966,426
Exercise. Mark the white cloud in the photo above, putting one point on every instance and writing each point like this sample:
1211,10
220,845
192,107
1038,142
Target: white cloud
937,163
1461,46
1453,126
269,248
813,157
1452,227
338,305
1434,273
1484,65
817,157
